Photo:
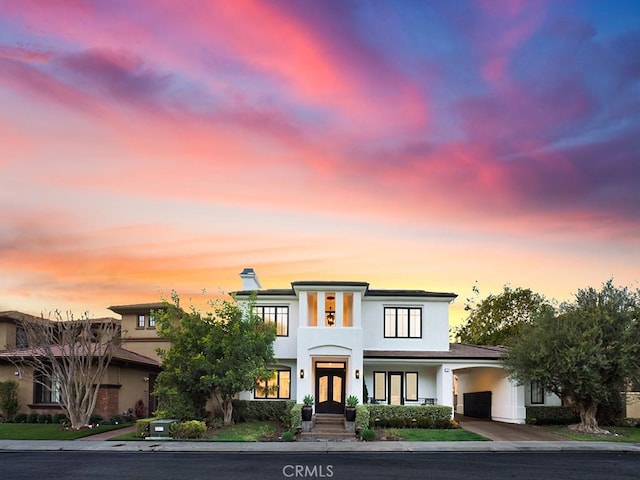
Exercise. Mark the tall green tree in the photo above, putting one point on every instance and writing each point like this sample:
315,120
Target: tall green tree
498,319
586,354
217,354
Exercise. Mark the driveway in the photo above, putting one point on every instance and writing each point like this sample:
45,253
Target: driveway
508,432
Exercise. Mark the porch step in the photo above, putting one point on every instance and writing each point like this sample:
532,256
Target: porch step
328,427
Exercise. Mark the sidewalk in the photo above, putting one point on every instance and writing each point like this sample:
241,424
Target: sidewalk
319,447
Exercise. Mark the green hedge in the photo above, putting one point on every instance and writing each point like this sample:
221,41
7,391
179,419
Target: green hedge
362,418
552,415
271,410
191,429
143,427
295,418
402,416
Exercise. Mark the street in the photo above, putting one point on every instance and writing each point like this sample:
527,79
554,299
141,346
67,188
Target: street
97,465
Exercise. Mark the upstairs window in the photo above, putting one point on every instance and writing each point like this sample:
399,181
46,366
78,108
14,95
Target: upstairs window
141,321
277,315
21,338
402,322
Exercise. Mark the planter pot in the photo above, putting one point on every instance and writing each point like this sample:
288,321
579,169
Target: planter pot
350,414
307,413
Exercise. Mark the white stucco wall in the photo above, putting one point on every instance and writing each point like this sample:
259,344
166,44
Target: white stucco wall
435,325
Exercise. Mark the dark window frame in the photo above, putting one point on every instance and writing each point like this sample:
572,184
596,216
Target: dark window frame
279,309
141,316
406,383
278,381
395,320
43,391
537,394
384,374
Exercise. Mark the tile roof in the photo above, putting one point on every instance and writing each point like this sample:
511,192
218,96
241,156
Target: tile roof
456,351
120,354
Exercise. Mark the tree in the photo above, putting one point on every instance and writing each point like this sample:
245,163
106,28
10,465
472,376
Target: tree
71,356
217,354
586,354
498,319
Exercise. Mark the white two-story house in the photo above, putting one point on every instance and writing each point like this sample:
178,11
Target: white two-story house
342,338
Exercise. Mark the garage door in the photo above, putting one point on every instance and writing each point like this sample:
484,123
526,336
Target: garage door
477,404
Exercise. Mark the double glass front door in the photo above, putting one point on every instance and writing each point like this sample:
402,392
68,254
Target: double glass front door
330,387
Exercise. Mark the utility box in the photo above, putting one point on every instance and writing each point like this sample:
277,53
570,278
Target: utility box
161,428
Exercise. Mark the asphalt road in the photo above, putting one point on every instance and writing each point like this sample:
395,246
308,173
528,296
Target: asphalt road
95,465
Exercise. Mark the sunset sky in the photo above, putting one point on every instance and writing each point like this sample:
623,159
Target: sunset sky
150,146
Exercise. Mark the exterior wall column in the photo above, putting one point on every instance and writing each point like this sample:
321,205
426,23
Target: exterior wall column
339,309
357,310
303,309
444,386
321,309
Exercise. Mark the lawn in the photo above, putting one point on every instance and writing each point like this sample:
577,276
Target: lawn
432,435
618,434
244,432
37,431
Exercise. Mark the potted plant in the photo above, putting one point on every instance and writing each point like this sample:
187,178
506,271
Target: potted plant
307,408
350,410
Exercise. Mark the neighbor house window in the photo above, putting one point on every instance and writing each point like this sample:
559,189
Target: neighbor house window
21,338
402,322
379,386
411,386
141,321
537,393
277,315
47,389
152,321
278,386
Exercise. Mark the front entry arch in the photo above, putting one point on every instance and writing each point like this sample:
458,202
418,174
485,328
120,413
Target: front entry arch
330,388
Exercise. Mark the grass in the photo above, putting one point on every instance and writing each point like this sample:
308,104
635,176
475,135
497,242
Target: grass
37,431
432,435
618,434
244,432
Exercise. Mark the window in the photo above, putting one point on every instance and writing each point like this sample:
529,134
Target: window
379,387
411,386
141,321
21,338
537,393
278,386
47,389
152,321
277,315
402,322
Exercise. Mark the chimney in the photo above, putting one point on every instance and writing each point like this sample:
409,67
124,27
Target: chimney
250,280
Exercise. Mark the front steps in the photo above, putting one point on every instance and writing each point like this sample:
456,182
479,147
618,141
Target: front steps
327,427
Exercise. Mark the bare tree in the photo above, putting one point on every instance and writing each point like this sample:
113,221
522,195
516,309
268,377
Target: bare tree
71,354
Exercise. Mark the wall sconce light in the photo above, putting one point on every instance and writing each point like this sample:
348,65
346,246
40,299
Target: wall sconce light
146,379
17,373
357,373
301,373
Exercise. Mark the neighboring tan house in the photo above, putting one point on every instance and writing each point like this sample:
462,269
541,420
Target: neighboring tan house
125,384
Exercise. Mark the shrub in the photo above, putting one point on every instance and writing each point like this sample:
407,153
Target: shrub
191,429
59,418
295,418
552,415
95,418
116,419
628,422
270,410
401,416
143,427
9,399
288,436
20,418
33,418
45,418
368,434
362,418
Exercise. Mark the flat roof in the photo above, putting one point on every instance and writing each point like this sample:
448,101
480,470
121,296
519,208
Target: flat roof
456,351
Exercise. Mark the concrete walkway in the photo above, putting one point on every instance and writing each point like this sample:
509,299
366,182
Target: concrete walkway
509,432
110,434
